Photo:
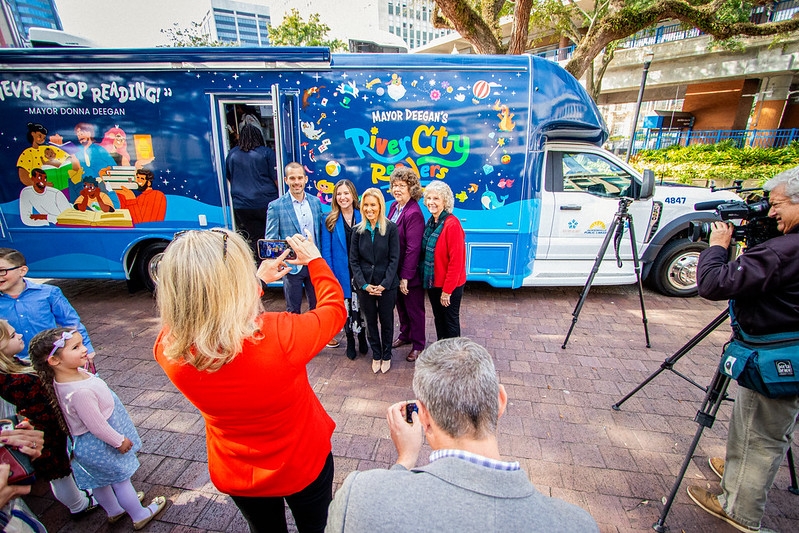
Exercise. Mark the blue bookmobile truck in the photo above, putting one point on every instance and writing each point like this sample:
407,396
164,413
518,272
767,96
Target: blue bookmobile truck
105,154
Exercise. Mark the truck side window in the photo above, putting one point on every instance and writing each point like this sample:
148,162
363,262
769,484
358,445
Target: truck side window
593,174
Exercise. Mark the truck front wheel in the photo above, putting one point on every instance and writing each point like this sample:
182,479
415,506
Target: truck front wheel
674,270
147,264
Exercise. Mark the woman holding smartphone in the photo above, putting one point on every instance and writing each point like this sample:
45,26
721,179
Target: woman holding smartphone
269,442
374,259
335,245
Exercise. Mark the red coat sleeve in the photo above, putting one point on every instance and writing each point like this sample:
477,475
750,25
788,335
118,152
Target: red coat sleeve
303,336
455,241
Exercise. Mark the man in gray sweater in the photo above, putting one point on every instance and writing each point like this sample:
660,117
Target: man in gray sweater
467,486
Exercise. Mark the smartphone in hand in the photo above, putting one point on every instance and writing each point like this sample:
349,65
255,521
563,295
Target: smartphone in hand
273,248
410,408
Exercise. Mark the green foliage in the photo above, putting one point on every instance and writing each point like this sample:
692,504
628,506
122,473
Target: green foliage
720,162
293,31
191,37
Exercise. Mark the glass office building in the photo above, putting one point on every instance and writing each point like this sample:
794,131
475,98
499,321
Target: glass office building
238,22
29,14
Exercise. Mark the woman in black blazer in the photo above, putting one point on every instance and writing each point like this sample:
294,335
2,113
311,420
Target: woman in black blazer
374,259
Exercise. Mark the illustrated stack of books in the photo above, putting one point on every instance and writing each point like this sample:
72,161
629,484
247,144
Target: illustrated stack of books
120,175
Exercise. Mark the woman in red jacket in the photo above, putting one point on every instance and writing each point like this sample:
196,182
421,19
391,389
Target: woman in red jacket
267,434
443,264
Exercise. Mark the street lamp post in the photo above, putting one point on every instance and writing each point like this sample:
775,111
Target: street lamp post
648,56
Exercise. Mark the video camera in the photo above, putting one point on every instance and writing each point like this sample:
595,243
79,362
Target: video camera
759,227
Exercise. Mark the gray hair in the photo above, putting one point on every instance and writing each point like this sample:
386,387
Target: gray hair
444,191
456,381
789,178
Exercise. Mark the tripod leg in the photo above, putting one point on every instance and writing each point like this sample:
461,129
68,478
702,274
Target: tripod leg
705,417
793,489
668,363
637,264
594,270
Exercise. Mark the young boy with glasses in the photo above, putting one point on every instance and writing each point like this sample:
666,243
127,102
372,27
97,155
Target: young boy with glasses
34,307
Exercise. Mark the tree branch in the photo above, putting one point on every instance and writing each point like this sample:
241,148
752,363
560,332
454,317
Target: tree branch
466,21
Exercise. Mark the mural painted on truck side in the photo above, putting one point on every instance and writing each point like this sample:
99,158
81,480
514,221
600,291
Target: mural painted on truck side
464,128
132,149
98,150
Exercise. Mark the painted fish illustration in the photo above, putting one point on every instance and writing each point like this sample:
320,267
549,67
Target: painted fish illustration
505,183
490,201
461,196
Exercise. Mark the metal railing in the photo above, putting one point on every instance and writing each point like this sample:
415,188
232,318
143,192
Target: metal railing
776,12
654,139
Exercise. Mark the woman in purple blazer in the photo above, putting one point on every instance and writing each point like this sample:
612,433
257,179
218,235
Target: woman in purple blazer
407,215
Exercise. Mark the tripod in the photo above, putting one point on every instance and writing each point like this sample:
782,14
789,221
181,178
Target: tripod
705,416
668,363
615,232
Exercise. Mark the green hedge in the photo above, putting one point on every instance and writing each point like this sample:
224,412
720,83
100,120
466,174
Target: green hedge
721,162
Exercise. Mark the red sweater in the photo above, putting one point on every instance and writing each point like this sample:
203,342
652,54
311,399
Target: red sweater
449,258
266,431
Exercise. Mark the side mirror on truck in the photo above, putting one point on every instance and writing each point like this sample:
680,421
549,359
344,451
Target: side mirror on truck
647,189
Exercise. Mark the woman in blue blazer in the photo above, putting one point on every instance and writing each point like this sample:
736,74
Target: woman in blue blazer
374,259
335,247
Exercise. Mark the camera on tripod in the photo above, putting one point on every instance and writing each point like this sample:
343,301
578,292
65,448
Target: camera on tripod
758,226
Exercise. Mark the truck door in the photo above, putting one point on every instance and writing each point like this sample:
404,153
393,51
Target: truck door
582,189
287,131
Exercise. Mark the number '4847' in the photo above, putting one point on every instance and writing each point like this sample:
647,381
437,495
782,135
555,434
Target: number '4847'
675,200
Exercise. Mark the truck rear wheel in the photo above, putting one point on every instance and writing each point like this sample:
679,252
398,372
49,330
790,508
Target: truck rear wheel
674,270
147,264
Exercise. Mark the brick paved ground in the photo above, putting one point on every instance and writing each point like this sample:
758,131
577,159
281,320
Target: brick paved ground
559,423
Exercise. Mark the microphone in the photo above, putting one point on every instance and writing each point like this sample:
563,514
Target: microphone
707,206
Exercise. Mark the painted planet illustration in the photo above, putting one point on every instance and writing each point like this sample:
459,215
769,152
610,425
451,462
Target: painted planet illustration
380,91
481,89
333,168
505,159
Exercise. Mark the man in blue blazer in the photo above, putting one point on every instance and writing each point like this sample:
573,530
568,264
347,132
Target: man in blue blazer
290,214
467,486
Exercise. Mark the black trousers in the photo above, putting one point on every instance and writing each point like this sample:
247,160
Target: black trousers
379,309
309,506
293,287
447,319
251,223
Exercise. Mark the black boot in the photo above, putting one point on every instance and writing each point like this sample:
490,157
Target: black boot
350,344
363,346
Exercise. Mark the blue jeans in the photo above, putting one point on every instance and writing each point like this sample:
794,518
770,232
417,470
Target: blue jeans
759,437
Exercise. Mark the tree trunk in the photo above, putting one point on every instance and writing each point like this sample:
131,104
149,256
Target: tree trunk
521,27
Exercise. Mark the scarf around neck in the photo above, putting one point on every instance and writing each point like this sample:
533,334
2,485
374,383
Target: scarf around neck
432,231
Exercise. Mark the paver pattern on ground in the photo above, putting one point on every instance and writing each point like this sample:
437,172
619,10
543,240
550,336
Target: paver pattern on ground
559,424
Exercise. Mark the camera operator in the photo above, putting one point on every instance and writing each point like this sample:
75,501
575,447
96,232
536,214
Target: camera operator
763,286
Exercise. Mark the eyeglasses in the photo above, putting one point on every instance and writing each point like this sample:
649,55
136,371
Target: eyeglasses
224,234
60,343
4,271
